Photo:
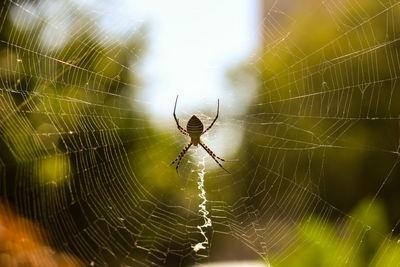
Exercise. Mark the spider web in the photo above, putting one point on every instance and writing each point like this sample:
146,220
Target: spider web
80,156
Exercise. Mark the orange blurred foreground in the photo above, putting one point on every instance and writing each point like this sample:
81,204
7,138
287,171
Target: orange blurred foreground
23,243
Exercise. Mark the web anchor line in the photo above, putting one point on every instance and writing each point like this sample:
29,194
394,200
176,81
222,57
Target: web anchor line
202,210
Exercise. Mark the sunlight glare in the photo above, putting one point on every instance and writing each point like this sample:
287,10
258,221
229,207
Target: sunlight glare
191,47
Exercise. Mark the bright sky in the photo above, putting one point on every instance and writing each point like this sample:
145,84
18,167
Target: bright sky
192,44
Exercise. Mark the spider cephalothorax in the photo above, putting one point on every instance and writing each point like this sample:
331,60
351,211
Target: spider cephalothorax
194,129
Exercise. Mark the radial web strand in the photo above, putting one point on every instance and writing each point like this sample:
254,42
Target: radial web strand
85,163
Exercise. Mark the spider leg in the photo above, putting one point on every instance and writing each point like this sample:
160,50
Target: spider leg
213,156
216,117
180,156
177,121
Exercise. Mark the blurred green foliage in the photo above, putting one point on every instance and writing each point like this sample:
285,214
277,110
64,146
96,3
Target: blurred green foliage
323,129
325,244
328,74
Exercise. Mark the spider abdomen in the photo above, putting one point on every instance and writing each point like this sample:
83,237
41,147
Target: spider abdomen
195,128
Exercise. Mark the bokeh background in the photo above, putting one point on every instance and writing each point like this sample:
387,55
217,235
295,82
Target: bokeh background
309,107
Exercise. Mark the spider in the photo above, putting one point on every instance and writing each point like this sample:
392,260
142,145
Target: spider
194,129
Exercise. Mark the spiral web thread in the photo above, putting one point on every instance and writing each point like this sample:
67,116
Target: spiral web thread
80,157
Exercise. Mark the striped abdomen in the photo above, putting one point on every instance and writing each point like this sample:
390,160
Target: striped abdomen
195,129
